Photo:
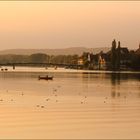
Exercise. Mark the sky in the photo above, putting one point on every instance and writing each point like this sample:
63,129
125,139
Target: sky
63,24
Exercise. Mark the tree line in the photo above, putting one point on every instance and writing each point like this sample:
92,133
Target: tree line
39,58
118,58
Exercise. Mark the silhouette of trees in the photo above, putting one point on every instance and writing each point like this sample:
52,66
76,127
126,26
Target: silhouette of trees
14,58
85,59
38,58
118,58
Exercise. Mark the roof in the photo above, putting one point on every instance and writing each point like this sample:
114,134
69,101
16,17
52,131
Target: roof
137,51
124,51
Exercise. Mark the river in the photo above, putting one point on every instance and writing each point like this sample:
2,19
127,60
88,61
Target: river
75,104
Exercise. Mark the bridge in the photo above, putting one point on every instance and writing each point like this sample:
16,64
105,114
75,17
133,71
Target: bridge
77,66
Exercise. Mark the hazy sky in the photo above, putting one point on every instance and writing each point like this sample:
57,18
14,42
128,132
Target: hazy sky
59,24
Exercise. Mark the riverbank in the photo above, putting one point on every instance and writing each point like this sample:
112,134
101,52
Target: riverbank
50,69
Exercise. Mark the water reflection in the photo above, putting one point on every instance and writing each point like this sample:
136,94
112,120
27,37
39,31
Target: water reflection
115,82
121,84
115,79
103,84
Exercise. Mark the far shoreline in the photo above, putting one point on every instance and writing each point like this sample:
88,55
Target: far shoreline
63,70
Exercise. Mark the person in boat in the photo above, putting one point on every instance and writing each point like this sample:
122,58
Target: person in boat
45,77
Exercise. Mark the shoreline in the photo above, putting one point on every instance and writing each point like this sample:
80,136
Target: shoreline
63,70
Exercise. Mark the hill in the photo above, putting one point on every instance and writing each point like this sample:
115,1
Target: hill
66,51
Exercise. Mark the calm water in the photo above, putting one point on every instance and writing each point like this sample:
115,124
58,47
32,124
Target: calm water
73,105
73,84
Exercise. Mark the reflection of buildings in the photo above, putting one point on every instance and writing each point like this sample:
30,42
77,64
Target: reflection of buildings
115,81
118,90
115,78
115,93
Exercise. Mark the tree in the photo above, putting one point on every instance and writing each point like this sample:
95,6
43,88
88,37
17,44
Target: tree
38,58
85,59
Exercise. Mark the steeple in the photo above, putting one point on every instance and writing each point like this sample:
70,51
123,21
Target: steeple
114,44
119,44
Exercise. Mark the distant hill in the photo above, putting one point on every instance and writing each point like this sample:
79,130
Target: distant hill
66,51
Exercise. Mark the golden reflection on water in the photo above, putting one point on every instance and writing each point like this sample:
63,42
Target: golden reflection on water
71,106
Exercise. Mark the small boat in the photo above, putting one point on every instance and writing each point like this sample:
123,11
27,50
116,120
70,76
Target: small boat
45,77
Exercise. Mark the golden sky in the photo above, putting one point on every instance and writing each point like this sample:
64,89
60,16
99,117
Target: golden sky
62,24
